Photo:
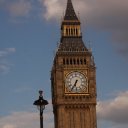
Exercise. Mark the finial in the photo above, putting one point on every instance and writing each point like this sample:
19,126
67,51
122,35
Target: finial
70,12
41,93
69,1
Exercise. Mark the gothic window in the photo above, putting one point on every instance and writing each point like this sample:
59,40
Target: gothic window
81,61
84,61
67,61
71,31
76,32
74,61
71,61
64,61
66,31
78,61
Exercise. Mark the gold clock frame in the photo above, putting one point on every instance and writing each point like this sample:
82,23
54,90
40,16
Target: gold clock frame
66,92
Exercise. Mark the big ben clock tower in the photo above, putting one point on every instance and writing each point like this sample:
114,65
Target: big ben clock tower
73,77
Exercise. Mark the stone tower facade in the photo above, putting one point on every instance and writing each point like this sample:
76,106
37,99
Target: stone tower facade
73,77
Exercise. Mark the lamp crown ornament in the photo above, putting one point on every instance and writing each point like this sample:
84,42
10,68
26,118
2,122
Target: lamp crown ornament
40,103
41,93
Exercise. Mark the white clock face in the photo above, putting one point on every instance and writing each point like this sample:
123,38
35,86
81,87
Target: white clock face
76,82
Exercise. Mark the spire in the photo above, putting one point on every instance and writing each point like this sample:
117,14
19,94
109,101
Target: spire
71,37
70,13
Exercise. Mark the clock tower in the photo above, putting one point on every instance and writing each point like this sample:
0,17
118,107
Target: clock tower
73,77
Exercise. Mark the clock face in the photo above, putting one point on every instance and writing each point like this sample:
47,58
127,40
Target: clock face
76,82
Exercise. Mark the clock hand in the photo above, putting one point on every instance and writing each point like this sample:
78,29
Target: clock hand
74,85
75,82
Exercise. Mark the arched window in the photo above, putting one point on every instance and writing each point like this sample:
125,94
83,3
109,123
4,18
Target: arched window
66,31
71,61
74,61
78,61
84,61
81,61
71,31
76,31
67,62
64,61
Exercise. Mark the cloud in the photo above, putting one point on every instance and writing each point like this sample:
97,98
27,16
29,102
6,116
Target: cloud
4,68
53,8
102,15
19,8
19,120
27,119
4,64
9,126
56,8
6,51
114,110
1,2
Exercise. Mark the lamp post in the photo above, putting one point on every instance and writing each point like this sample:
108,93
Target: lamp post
40,103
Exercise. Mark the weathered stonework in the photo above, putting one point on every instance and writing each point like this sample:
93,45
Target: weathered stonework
73,110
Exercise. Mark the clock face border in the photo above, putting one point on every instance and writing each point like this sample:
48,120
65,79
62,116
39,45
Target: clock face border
76,83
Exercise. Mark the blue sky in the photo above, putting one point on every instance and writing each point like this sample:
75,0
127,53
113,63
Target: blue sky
29,34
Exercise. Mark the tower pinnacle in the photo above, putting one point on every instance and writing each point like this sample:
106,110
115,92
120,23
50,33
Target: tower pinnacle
70,12
71,37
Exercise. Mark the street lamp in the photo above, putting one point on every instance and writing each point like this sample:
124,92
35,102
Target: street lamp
40,103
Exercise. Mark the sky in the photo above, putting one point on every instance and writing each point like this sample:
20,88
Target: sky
29,35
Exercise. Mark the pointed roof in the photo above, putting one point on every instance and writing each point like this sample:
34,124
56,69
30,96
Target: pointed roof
70,12
72,45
